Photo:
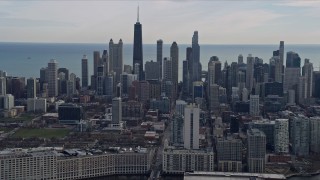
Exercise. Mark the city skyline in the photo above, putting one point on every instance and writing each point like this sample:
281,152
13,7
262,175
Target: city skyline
218,22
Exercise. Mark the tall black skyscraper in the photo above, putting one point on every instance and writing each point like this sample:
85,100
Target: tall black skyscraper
137,47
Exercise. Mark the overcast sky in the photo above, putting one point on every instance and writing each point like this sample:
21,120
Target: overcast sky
218,22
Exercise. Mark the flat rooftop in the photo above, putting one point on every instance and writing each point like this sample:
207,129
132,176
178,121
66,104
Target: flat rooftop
230,176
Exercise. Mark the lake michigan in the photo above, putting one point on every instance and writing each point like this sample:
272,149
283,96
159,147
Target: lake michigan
26,59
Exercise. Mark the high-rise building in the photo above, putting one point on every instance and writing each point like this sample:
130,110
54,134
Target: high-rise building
316,84
180,106
281,53
3,86
254,105
234,74
70,114
127,69
116,58
159,55
84,71
7,101
292,71
302,90
52,78
281,136
229,154
126,81
167,69
196,65
307,72
152,70
240,59
116,110
108,86
267,127
293,60
31,88
214,97
136,70
144,90
185,78
174,54
100,80
177,130
256,150
214,71
315,134
249,73
277,69
300,135
137,47
197,90
191,127
155,89
96,62
105,62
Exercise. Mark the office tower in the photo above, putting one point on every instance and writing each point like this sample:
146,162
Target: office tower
152,70
70,114
167,69
174,54
43,77
108,86
316,84
281,136
7,101
214,97
116,110
185,78
249,73
291,97
300,135
293,60
273,88
159,55
315,134
241,80
267,127
127,69
3,86
197,90
137,47
177,130
144,90
105,62
292,71
155,89
277,69
52,78
180,106
307,72
229,154
256,150
167,89
245,95
65,71
302,90
190,68
126,82
235,94
136,70
71,84
84,71
240,59
62,83
254,105
214,71
96,61
36,105
31,88
100,80
281,53
234,74
191,127
116,59
196,65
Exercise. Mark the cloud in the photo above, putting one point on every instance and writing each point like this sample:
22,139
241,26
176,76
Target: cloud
23,22
305,3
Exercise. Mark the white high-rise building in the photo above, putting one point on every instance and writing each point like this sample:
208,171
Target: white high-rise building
254,105
249,74
191,127
281,136
315,134
3,87
52,78
6,101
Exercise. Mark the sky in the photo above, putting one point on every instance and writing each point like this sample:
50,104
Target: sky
218,22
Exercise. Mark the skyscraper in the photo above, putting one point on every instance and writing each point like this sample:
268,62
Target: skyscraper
84,71
281,136
196,65
292,71
240,59
249,74
191,127
31,88
152,70
100,80
167,69
256,150
96,62
214,71
281,54
3,86
300,133
315,134
137,47
116,110
159,55
174,54
254,105
52,78
185,78
307,72
116,58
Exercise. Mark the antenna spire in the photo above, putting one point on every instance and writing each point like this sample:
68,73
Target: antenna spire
138,14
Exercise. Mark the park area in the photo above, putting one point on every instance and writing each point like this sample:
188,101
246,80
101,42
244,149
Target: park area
41,133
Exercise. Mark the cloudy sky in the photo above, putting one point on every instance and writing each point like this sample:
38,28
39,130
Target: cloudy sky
218,22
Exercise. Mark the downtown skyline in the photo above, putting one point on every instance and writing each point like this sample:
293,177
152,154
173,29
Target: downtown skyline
231,22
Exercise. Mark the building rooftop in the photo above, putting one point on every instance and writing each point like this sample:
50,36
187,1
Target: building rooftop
230,176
